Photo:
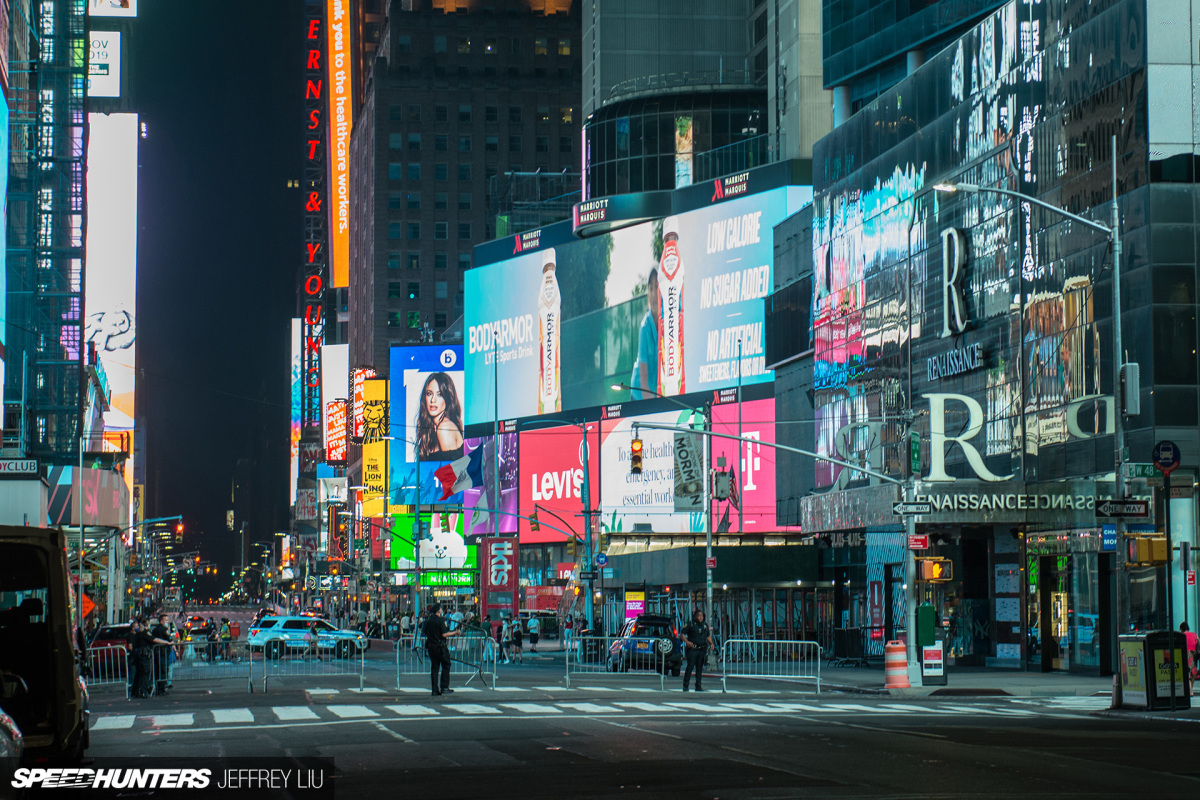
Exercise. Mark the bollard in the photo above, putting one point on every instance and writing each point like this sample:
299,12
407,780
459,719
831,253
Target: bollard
895,666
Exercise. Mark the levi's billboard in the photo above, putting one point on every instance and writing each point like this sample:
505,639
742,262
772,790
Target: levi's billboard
555,328
551,480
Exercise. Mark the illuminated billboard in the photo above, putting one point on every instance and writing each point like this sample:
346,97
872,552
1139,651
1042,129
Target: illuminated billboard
112,8
339,58
444,547
482,497
646,500
335,380
360,374
110,281
427,421
104,64
297,378
552,476
336,440
753,464
375,446
4,147
660,306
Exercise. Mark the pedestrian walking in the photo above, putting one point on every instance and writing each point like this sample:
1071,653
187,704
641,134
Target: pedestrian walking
1191,644
310,641
535,632
436,634
504,639
226,638
405,625
362,619
212,635
568,624
697,638
514,651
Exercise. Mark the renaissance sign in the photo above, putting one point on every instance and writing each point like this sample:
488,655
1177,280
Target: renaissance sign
1014,501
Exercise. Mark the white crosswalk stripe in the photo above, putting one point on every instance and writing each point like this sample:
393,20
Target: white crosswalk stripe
473,708
114,723
171,720
532,708
294,713
412,711
645,706
588,708
352,712
232,715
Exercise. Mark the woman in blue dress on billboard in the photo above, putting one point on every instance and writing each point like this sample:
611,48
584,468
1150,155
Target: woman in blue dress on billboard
439,420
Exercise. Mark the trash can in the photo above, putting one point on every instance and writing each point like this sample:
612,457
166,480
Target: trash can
1145,670
235,630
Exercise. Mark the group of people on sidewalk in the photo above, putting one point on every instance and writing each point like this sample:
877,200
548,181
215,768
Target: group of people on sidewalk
151,655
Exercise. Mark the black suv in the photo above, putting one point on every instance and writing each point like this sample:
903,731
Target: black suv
647,642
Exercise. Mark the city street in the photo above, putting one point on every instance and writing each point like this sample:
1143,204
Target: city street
623,736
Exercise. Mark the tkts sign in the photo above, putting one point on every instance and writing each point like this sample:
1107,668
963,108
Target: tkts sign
312,287
499,576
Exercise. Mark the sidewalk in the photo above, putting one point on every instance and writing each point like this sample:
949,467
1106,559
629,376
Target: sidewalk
971,681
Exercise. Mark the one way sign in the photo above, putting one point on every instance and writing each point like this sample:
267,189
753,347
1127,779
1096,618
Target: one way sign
906,508
1123,508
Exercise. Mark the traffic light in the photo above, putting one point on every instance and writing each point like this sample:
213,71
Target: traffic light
935,570
1146,550
635,457
179,533
571,547
534,525
603,540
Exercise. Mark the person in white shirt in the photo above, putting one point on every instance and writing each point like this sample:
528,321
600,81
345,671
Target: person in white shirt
535,631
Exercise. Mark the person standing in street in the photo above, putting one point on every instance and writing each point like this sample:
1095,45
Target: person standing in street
161,633
436,634
535,632
515,642
697,638
133,642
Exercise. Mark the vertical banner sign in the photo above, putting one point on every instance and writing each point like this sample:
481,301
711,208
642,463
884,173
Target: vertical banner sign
360,374
340,122
499,580
375,446
689,473
335,432
315,246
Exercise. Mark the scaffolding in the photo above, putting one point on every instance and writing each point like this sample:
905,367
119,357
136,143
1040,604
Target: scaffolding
47,220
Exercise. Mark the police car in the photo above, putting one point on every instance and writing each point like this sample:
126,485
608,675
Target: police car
279,635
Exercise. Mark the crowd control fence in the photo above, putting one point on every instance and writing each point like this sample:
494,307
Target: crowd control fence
771,659
276,660
474,653
624,656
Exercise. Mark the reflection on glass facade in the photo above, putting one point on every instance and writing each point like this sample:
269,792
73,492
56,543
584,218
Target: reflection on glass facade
654,143
995,300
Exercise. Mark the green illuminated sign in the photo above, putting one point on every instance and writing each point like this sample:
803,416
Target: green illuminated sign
448,578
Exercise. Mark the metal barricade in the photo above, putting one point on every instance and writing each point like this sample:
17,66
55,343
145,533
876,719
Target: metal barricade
473,653
208,661
848,648
771,659
276,660
109,666
620,655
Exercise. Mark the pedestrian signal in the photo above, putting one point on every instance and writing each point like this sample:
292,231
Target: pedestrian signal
935,570
1146,550
635,457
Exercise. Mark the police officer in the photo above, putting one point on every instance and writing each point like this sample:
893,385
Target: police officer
697,639
436,634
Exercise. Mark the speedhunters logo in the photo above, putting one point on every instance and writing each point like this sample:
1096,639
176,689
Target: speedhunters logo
270,777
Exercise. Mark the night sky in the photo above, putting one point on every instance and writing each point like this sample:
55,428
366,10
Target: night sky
219,244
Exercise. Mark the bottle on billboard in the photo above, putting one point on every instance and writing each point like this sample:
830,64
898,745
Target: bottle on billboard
549,338
670,317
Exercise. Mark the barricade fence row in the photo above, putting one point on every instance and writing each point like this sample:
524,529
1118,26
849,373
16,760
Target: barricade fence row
109,666
634,657
473,653
277,659
208,661
771,659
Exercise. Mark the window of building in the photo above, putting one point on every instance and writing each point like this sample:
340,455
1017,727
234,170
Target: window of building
491,144
539,46
564,47
441,230
464,201
414,290
395,200
414,113
394,259
541,144
464,262
464,172
464,44
414,141
394,290
403,44
414,230
441,171
414,261
414,201
464,144
372,31
439,44
564,144
491,114
395,230
395,141
513,72
439,201
439,260
564,72
395,319
514,144
439,113
414,320
464,72
439,319
395,171
414,172
514,115
441,142
515,46
489,46
464,113
543,113
441,290
566,115
395,112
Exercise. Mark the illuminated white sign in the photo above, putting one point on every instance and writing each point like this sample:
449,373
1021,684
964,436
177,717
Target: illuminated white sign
112,8
104,64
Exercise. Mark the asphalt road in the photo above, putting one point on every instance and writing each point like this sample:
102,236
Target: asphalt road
614,737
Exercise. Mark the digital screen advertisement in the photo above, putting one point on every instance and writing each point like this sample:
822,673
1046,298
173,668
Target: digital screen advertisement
112,8
753,464
444,548
482,497
427,421
552,476
659,307
104,64
297,347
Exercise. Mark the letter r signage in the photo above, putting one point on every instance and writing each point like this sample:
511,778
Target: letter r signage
954,261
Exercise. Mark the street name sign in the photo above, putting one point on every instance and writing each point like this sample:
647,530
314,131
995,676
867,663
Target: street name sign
588,575
1122,508
906,508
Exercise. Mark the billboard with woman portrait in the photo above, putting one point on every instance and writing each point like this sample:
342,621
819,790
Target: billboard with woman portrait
427,421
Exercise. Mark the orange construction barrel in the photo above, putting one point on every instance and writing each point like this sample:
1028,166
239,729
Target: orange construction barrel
895,666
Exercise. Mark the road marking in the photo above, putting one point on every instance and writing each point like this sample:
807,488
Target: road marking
368,690
646,706
600,689
225,715
548,688
467,689
847,707
748,707
473,708
289,713
509,689
411,690
691,706
170,720
412,711
797,707
392,733
323,691
902,708
113,723
635,728
532,708
589,708
351,712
